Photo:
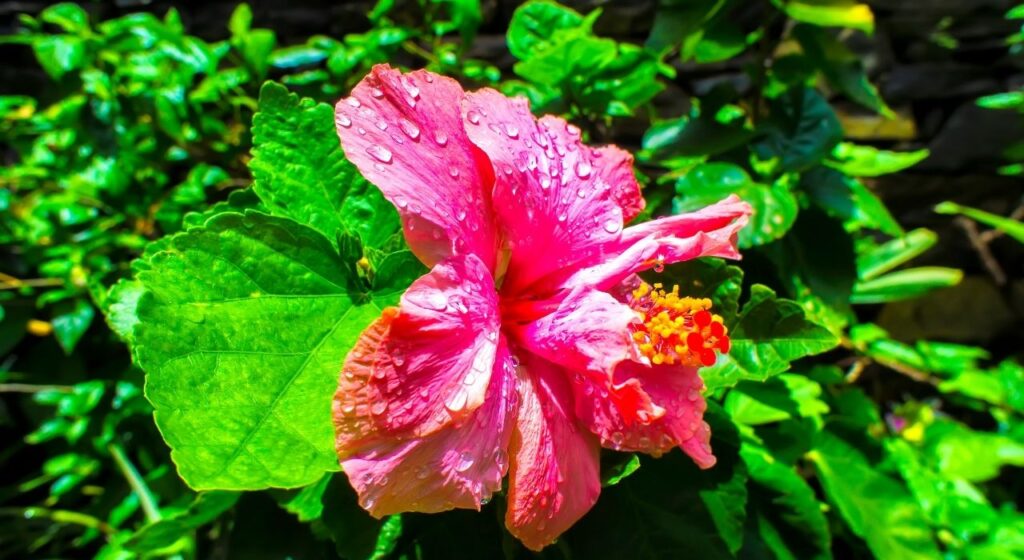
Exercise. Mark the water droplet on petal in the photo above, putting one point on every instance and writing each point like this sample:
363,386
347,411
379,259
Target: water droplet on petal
583,169
352,101
380,152
611,226
501,460
376,92
581,193
437,301
410,128
457,400
492,336
453,171
362,130
424,392
428,77
348,407
461,214
440,137
378,408
545,181
344,120
617,438
511,130
473,116
381,125
411,88
465,462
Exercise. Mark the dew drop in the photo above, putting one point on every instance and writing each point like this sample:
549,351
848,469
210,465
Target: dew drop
583,169
511,130
344,121
465,462
401,202
545,181
348,407
381,125
440,137
461,214
428,77
353,102
380,152
410,128
397,139
506,170
617,438
376,92
492,336
362,130
378,408
513,361
437,301
611,226
562,217
411,88
501,460
473,116
456,303
573,130
453,171
457,400
424,393
693,395
581,193
378,373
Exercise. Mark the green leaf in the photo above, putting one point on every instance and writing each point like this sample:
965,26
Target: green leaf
241,332
830,13
843,69
849,200
775,207
682,24
615,471
59,54
670,506
121,305
891,254
710,278
355,533
865,161
768,334
534,23
779,398
876,507
301,172
307,503
789,515
69,17
905,284
693,136
161,534
802,130
70,321
956,451
1008,100
1009,226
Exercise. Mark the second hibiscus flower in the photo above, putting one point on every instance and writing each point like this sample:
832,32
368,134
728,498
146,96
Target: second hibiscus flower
531,342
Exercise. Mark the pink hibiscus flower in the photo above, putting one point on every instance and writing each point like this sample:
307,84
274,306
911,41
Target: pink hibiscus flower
531,343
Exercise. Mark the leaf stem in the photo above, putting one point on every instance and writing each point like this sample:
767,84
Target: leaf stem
61,516
146,498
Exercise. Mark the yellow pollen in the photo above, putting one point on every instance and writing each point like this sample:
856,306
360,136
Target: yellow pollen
674,329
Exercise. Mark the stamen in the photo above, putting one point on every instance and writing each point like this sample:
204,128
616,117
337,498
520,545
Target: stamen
676,330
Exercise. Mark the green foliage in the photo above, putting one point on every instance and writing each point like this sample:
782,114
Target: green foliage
125,198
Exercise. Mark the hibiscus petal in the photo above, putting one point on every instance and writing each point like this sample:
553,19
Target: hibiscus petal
554,478
434,365
587,332
404,132
709,232
554,196
458,467
675,389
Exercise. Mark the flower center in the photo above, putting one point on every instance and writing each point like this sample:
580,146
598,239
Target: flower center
675,329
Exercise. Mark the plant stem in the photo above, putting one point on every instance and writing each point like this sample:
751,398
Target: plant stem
61,516
146,498
29,388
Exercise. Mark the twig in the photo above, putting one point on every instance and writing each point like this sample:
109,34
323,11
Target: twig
992,234
61,516
981,246
8,282
29,388
146,498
